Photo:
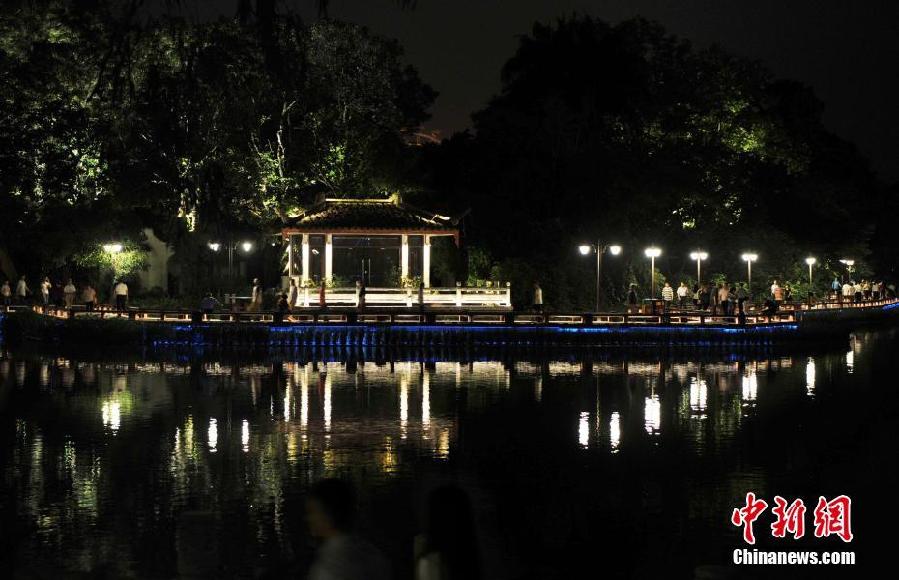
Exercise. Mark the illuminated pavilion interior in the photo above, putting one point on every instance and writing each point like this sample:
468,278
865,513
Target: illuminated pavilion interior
382,242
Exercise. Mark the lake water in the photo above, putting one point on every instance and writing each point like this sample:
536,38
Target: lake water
624,464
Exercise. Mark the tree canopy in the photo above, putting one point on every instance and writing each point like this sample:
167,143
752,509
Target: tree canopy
628,134
113,120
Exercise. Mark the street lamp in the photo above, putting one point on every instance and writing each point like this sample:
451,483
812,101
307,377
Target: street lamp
749,259
214,246
652,253
811,262
848,264
114,248
600,249
699,256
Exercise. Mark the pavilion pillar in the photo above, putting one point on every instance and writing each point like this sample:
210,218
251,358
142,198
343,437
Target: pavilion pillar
404,258
426,263
290,250
305,258
329,256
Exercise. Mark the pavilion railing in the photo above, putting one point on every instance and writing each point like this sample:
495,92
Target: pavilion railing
458,297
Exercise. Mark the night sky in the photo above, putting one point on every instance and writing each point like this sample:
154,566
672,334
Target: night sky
846,50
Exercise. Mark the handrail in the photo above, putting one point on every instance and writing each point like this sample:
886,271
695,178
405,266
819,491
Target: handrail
381,315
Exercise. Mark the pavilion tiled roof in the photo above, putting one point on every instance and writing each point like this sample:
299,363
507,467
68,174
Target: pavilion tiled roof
382,215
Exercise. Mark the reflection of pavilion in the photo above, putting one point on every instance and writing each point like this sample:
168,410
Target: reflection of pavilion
384,243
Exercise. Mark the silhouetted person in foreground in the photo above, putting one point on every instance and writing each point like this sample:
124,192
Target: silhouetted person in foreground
331,512
448,550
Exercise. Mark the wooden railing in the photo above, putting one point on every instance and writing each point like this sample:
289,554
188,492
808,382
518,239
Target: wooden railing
459,297
790,313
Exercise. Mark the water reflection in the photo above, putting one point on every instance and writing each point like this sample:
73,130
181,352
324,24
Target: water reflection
226,437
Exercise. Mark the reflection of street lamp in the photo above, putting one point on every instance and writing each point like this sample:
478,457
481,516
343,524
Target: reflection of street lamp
699,256
600,249
652,253
749,259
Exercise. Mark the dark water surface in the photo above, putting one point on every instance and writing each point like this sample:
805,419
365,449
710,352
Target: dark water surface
617,464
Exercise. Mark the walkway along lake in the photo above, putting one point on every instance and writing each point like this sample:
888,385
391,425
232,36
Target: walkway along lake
181,463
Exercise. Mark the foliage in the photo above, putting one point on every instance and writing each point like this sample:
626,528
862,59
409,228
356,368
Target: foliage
628,134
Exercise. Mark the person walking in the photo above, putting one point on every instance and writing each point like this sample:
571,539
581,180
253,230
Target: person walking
835,288
632,298
682,293
6,293
742,296
788,293
121,295
208,304
848,291
667,295
538,298
282,308
857,292
69,293
705,297
360,294
723,292
89,297
22,290
256,296
45,293
777,293
293,293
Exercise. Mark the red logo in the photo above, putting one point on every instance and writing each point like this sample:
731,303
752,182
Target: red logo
830,517
746,515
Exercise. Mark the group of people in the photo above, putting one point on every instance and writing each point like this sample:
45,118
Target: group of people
61,295
863,291
721,298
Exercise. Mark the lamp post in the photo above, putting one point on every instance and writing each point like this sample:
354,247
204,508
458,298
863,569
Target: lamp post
848,264
652,253
699,256
811,262
246,246
600,249
749,259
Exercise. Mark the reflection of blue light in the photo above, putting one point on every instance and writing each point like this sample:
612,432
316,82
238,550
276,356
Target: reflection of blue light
891,306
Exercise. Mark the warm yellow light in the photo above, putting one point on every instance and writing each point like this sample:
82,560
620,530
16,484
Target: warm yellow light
247,246
810,261
615,250
653,252
112,248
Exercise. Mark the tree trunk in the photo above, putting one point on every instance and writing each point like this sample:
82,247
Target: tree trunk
6,265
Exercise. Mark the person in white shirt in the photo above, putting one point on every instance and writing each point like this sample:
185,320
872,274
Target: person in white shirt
69,293
22,290
848,291
256,296
121,295
682,293
342,555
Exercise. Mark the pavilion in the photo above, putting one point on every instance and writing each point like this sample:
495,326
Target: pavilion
382,242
